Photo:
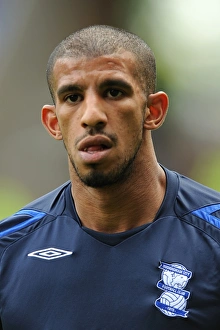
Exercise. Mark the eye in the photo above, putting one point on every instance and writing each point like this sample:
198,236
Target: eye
114,93
73,98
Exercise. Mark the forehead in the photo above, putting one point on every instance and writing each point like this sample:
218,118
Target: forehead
72,70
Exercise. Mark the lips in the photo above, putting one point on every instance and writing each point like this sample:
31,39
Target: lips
95,148
95,144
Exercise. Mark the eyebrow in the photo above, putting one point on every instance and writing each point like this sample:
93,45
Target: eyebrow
116,83
106,83
68,88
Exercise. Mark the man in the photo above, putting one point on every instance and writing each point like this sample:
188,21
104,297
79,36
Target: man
126,244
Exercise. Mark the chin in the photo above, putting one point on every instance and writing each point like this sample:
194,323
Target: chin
98,180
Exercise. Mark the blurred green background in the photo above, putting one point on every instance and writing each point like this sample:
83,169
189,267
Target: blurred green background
185,37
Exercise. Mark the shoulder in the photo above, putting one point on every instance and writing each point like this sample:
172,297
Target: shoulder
43,209
52,203
192,195
198,205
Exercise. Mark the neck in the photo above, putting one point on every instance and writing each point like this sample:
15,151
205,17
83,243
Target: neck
121,207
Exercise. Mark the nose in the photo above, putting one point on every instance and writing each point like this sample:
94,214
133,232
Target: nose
94,114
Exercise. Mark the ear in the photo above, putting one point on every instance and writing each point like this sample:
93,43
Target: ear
157,107
50,121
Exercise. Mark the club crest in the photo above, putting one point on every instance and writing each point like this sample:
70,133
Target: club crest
173,300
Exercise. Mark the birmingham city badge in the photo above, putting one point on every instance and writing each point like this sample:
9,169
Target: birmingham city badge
174,278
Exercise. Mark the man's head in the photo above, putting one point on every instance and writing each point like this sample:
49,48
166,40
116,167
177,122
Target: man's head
98,40
102,81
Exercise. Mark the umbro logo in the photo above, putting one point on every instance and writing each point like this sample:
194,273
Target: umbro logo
50,253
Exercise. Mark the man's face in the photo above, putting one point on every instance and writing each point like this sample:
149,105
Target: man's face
100,108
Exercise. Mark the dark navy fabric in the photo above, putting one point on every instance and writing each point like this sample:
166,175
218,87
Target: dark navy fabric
56,274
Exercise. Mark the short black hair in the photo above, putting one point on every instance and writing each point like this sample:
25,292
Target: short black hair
98,40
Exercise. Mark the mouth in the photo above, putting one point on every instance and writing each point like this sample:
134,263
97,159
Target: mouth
96,143
95,149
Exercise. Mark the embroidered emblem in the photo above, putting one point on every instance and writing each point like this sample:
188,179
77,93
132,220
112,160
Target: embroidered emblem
174,278
50,253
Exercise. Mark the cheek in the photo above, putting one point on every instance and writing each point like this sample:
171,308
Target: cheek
67,131
133,124
67,121
131,134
